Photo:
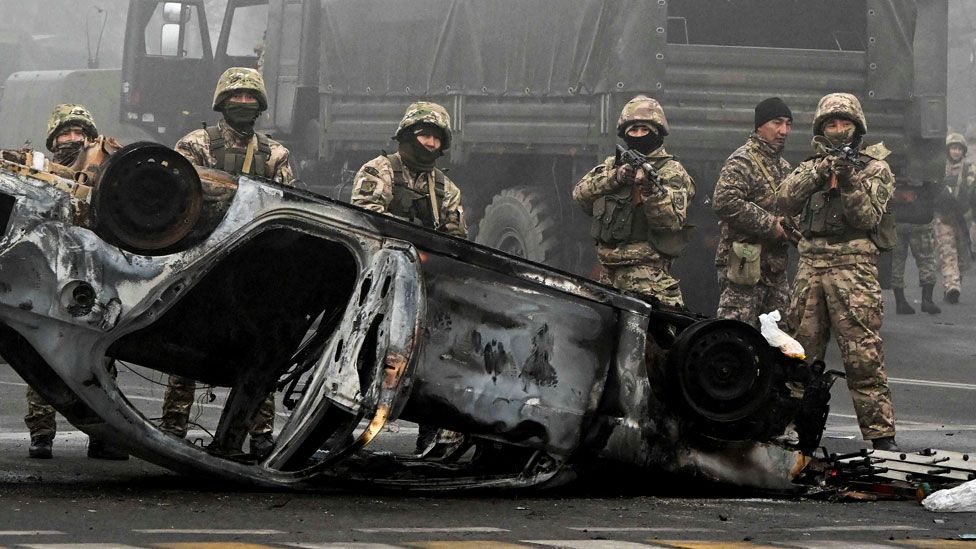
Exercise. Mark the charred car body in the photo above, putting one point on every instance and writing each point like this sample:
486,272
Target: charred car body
359,319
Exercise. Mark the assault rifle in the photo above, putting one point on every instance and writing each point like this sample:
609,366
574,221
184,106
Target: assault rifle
845,153
639,161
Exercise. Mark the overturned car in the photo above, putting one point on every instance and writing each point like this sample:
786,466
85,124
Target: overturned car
358,319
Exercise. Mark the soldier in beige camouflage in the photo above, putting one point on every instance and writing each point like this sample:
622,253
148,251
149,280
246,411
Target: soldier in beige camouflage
954,201
755,235
406,184
639,227
845,224
75,143
234,147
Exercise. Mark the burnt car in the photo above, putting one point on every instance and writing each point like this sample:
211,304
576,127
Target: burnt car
359,319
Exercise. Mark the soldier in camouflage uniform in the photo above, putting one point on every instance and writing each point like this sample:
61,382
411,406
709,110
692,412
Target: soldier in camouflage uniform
638,226
755,235
845,224
953,202
918,238
401,184
406,185
234,147
74,142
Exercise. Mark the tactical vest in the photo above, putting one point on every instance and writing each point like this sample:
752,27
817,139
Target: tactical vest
413,205
231,159
618,219
823,217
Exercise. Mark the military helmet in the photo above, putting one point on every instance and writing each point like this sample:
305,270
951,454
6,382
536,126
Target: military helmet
839,105
238,79
642,109
69,114
957,139
430,113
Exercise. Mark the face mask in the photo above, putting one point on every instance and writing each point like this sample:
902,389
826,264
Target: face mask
840,138
645,144
416,156
241,116
66,153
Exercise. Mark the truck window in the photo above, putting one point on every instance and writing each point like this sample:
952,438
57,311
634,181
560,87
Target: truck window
173,30
800,24
247,31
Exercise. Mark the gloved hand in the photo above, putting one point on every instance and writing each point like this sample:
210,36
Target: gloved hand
844,171
626,174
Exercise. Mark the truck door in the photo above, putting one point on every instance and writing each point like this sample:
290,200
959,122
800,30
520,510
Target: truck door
287,24
168,67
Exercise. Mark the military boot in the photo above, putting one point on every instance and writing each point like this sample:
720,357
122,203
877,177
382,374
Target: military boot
41,447
261,445
887,444
929,306
951,296
902,306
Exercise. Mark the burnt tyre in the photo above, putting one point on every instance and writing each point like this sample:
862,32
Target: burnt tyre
728,383
520,222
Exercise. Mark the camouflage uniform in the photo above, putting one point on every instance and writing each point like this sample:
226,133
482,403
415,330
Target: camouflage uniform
951,209
745,203
640,260
837,286
199,145
920,240
226,148
386,184
94,150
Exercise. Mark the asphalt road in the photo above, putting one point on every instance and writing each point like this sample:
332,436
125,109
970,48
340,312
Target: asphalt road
72,501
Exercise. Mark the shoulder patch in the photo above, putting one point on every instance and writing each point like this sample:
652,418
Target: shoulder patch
371,171
367,186
878,151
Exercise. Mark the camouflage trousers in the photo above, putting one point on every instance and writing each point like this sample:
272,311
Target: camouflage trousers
952,262
746,303
652,280
847,300
41,418
179,399
920,239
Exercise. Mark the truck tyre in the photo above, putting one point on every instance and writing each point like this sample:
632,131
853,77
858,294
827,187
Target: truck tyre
519,222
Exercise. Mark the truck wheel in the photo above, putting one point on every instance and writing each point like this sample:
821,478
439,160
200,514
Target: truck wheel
519,222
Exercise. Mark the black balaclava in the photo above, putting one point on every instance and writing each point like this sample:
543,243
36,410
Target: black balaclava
66,153
645,144
416,156
241,116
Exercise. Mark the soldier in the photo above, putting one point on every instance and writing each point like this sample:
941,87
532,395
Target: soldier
952,204
755,235
406,184
74,142
919,238
234,147
845,224
638,225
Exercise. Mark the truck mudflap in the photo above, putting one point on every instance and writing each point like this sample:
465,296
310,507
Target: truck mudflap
534,376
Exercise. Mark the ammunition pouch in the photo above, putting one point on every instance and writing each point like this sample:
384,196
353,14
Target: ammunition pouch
823,215
745,265
884,235
413,205
914,204
231,159
615,220
671,243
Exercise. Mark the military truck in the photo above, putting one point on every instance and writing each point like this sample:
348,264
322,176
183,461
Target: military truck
534,88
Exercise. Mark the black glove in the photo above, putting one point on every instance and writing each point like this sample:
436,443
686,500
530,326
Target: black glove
626,174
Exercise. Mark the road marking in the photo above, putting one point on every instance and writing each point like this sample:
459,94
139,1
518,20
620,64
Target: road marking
638,529
694,544
835,544
486,544
80,546
935,543
929,383
433,530
858,528
204,531
343,545
212,545
30,533
593,544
